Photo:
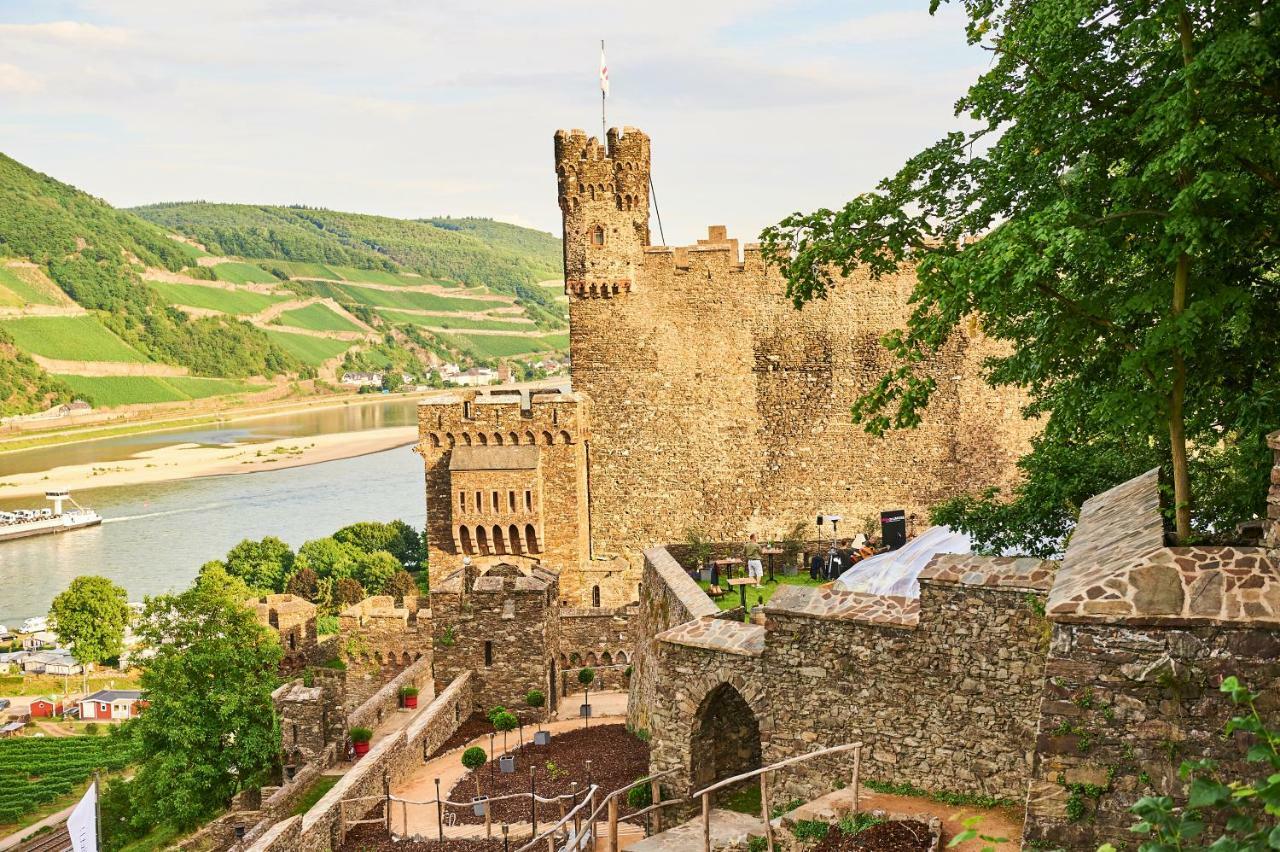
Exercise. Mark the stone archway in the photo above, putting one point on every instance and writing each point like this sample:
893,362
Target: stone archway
726,738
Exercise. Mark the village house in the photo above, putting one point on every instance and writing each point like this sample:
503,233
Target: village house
56,662
475,377
12,661
111,704
40,641
46,707
362,380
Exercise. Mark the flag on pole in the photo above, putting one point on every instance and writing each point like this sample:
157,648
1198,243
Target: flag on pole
82,825
604,73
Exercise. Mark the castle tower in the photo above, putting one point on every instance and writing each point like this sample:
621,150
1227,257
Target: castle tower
604,200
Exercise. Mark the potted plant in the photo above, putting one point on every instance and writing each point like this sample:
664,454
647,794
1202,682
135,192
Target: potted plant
506,721
474,758
409,697
585,677
536,699
700,551
360,739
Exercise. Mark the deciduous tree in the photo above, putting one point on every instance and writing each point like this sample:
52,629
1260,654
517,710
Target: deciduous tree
1112,219
210,728
90,618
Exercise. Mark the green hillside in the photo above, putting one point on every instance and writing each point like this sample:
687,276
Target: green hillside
95,254
505,258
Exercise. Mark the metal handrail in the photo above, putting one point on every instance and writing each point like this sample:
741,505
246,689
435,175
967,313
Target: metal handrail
571,815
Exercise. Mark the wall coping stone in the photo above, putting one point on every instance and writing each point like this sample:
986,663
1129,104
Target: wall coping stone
972,569
1118,570
716,634
836,604
690,593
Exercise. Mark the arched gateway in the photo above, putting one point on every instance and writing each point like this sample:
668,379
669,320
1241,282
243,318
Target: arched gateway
726,738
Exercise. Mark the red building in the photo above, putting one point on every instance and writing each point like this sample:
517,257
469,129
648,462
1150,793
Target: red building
111,704
46,708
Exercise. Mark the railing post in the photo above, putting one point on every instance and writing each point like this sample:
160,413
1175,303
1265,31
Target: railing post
488,820
655,797
857,773
439,811
764,810
613,825
386,803
706,822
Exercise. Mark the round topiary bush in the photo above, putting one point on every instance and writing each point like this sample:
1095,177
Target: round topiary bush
586,676
474,757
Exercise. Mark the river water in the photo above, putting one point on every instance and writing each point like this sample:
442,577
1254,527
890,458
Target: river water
155,537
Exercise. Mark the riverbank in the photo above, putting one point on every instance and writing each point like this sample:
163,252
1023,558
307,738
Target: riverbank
188,461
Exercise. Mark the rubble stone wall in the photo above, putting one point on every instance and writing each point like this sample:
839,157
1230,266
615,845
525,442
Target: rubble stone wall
715,404
392,759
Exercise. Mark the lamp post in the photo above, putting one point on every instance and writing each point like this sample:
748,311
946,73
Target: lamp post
506,847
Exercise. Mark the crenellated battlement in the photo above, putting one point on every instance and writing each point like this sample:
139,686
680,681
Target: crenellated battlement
484,419
604,202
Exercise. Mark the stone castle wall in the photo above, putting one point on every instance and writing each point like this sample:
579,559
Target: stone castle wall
717,405
558,426
944,688
378,640
504,627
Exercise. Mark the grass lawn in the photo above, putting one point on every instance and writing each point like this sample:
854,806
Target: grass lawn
456,322
26,286
732,598
240,302
71,339
411,300
312,351
106,391
315,792
317,318
31,685
243,273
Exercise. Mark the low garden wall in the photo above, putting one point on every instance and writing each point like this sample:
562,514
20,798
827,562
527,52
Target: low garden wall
387,699
389,761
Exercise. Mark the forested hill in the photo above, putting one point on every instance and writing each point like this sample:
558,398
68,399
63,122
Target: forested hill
79,262
505,258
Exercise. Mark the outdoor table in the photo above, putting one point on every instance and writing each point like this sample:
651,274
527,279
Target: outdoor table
726,565
771,552
742,583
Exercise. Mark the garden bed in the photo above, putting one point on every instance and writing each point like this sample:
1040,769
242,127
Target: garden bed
893,836
475,725
617,759
367,838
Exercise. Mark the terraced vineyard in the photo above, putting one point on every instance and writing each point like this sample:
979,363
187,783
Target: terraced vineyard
238,302
128,390
37,770
312,351
80,338
26,286
447,322
317,317
489,346
409,299
243,273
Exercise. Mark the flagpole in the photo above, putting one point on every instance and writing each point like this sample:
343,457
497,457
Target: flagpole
604,133
97,811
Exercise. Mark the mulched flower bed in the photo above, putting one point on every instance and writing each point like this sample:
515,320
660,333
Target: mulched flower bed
368,838
475,725
906,835
617,759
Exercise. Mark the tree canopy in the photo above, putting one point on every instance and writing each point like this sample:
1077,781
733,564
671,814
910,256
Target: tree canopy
210,728
1112,220
90,616
261,564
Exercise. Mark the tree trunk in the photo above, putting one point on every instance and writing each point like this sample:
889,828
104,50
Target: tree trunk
1177,426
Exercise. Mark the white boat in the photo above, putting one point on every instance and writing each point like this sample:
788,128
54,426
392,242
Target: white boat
26,522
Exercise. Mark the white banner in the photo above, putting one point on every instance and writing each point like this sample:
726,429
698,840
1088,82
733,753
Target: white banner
82,825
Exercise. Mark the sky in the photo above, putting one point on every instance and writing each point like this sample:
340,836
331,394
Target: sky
421,108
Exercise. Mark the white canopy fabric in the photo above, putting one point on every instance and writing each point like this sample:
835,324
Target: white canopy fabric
897,572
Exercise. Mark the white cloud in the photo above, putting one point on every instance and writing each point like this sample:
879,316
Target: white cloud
16,81
64,32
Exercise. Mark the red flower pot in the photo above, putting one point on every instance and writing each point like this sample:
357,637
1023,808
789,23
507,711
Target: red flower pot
361,749
411,701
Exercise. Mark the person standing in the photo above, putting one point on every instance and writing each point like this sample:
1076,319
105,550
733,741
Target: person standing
755,568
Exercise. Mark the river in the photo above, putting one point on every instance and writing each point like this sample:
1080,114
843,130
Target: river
155,537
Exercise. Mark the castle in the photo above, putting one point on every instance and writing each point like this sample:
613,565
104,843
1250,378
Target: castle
701,400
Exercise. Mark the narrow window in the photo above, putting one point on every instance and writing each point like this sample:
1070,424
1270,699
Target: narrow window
528,501
595,596
511,500
495,501
597,236
488,653
293,641
462,501
479,503
295,733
